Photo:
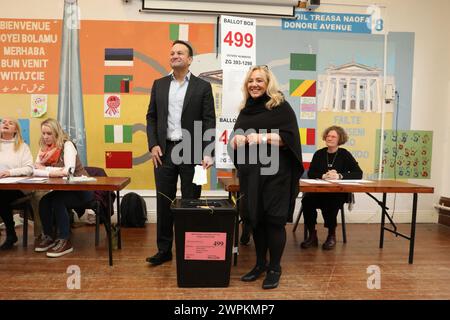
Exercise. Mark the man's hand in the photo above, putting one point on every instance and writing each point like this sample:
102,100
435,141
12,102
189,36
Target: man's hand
238,141
207,162
156,155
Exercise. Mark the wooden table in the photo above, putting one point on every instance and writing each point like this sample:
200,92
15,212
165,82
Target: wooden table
114,184
375,186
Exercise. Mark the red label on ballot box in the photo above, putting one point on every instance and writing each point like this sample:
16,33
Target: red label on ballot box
205,245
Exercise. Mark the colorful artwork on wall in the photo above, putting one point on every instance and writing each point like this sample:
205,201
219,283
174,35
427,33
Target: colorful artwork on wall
406,154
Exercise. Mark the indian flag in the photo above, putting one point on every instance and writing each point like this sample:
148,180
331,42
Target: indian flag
179,32
118,133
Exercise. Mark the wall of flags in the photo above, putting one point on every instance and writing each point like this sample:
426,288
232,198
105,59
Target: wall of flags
119,66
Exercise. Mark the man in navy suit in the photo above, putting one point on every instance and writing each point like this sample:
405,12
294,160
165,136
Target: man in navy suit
180,104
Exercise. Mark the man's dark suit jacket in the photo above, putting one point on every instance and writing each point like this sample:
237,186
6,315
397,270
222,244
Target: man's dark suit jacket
198,106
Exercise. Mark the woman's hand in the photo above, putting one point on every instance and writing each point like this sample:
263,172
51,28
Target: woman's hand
238,141
4,174
254,138
57,173
331,175
39,166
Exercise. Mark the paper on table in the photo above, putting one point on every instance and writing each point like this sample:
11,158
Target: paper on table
81,179
314,181
352,181
200,177
11,179
36,179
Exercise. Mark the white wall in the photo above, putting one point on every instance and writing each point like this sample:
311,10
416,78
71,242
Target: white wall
431,104
431,82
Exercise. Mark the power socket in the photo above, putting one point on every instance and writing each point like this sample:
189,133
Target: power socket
389,92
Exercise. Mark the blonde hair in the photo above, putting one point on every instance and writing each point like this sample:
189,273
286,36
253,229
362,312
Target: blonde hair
18,139
273,90
58,133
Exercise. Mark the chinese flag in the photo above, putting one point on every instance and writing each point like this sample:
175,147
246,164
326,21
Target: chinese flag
119,159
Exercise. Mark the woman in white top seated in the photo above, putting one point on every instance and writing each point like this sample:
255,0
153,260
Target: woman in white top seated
56,157
15,160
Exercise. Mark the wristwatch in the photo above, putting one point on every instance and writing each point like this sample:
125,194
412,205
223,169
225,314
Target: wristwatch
264,138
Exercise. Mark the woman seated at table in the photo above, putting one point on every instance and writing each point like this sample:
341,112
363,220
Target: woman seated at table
15,160
57,155
269,198
329,163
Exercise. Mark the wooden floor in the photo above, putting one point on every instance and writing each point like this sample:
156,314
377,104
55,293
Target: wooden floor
307,274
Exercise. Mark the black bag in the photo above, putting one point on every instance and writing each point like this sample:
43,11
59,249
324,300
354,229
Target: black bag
133,211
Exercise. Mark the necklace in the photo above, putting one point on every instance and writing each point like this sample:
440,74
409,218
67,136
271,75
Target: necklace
330,165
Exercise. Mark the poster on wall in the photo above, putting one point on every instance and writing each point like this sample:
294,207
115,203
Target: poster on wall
38,105
29,56
111,106
406,154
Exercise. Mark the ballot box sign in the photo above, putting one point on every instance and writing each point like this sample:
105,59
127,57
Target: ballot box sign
238,54
237,42
223,131
205,246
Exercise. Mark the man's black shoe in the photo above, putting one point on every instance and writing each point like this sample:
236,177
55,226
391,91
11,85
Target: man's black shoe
159,258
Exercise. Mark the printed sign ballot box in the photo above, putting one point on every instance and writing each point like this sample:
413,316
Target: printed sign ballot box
204,231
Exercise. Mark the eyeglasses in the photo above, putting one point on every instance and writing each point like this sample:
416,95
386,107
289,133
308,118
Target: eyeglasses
262,66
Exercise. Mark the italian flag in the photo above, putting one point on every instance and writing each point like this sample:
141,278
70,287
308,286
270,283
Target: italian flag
179,32
118,133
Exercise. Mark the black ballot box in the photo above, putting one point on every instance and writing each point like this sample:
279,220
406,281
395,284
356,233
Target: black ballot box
204,231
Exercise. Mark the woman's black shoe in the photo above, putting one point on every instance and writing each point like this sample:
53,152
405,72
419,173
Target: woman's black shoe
254,274
272,279
330,243
9,242
312,240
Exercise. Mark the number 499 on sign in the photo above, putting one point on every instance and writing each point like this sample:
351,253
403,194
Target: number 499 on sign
238,39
